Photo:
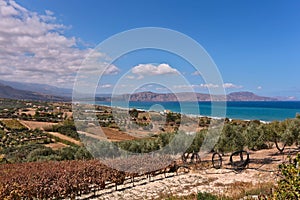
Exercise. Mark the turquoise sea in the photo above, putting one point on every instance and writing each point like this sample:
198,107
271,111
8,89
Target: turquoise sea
249,110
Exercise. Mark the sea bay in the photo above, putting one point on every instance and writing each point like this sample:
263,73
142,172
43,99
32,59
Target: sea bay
246,110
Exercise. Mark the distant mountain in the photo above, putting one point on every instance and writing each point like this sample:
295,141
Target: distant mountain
288,98
39,88
248,96
34,91
183,96
186,96
12,93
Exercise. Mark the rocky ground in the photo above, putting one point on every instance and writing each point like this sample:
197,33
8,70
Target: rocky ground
262,170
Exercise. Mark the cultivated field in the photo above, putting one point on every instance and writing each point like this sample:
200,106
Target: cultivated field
37,125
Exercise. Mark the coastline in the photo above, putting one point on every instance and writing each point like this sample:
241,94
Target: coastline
263,111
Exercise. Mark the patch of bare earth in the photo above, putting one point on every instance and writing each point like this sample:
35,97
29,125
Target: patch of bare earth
56,146
261,172
37,125
109,133
64,137
30,111
68,114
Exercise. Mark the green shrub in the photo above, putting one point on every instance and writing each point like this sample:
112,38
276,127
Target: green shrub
255,136
289,185
68,128
206,196
231,139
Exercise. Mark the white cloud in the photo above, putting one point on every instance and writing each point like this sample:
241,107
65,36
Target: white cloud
259,87
152,70
209,85
292,98
130,77
196,73
124,85
161,89
49,12
231,86
111,70
225,85
35,49
186,86
8,10
106,86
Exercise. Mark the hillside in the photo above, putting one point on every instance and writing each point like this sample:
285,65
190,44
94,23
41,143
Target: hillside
39,88
32,91
186,96
248,96
12,93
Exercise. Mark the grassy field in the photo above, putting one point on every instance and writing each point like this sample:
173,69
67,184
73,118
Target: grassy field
12,124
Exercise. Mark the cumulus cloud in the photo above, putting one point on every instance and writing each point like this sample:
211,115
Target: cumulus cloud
161,89
105,86
130,77
259,87
292,98
196,73
231,86
35,49
225,85
186,86
111,70
152,70
209,85
7,10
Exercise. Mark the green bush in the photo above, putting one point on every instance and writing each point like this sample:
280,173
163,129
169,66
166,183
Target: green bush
286,132
231,139
289,185
255,136
172,117
68,128
134,113
197,142
206,196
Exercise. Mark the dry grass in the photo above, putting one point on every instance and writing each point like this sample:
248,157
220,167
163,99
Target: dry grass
110,133
56,146
13,124
192,197
171,197
37,125
238,190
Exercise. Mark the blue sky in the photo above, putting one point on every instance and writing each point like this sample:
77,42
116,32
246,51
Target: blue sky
255,44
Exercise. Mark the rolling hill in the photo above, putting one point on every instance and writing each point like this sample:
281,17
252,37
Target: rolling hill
39,88
186,96
13,93
33,91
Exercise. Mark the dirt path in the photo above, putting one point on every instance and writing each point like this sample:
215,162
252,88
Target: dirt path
98,137
64,137
25,124
56,146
